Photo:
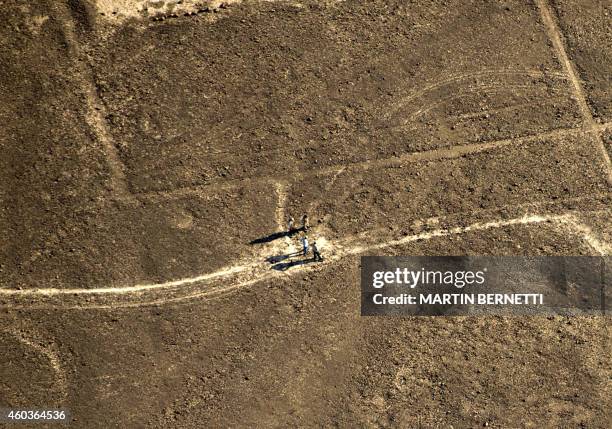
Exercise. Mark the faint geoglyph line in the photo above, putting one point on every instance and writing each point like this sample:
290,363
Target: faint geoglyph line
468,91
429,155
95,117
451,79
51,355
556,38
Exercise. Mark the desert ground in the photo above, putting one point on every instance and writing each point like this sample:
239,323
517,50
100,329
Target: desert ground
152,151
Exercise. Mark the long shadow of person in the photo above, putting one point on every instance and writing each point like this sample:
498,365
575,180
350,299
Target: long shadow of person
278,258
284,266
274,236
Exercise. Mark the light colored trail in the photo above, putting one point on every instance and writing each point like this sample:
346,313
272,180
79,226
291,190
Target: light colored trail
462,150
525,220
97,123
46,349
391,110
510,107
574,225
281,214
555,36
469,91
567,220
429,155
281,193
95,115
554,33
240,276
226,272
255,270
501,86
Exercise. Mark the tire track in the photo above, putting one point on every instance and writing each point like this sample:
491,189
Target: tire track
254,271
469,115
469,91
464,76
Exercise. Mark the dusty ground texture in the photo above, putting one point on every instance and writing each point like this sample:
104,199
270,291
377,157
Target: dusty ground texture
151,150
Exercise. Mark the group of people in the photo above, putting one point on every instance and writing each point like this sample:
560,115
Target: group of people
291,229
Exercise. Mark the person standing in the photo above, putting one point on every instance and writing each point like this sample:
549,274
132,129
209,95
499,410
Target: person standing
290,225
305,245
315,252
305,223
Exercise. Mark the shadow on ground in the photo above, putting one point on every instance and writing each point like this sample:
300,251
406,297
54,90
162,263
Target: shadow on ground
283,266
275,236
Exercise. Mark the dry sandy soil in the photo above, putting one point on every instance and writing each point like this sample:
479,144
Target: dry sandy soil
150,150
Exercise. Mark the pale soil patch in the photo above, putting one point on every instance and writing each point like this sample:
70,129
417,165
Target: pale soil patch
119,10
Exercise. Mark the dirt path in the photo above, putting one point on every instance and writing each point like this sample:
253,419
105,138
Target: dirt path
555,36
257,269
